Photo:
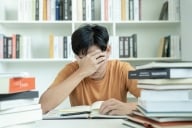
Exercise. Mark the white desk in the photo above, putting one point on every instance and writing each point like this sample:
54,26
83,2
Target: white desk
81,123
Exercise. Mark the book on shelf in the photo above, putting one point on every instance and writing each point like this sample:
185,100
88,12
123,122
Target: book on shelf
128,46
162,119
16,84
165,65
80,112
166,105
19,95
161,48
44,10
15,46
59,47
166,95
161,73
163,114
164,11
170,46
143,122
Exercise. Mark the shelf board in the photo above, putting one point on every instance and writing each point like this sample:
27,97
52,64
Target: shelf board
34,60
93,22
148,24
30,24
44,60
150,59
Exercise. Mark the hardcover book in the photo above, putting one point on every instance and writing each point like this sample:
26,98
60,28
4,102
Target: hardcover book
164,86
165,65
161,73
19,95
181,81
162,119
15,103
164,114
166,95
165,106
16,84
142,122
16,118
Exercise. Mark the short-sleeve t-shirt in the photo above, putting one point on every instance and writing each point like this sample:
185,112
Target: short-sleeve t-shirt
115,84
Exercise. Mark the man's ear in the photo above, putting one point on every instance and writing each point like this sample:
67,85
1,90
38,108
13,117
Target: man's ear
108,51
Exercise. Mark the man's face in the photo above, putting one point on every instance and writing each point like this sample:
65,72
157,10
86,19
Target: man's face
101,70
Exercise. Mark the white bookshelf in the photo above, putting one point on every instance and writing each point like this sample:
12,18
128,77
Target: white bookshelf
149,31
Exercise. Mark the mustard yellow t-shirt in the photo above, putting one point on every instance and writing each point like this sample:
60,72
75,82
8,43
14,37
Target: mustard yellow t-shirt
115,84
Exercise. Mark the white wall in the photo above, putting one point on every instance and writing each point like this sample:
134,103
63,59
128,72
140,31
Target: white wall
186,29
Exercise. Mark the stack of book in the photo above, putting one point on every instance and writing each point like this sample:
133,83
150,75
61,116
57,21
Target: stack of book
18,100
166,95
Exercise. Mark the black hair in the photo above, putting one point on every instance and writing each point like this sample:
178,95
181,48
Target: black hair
87,36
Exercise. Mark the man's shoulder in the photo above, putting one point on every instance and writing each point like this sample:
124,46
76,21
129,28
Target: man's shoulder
70,66
118,63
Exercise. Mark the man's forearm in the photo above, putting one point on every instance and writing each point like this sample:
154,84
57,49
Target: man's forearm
55,95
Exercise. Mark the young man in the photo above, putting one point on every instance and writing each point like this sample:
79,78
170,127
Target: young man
92,77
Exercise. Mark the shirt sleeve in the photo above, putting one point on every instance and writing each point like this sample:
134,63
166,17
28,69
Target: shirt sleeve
64,73
131,84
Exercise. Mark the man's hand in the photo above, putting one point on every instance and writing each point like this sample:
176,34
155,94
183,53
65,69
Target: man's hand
91,62
116,107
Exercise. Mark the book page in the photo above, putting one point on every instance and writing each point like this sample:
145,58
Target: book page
95,112
76,112
76,109
96,105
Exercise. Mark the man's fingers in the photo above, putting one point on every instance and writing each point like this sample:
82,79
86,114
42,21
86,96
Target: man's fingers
106,110
94,53
101,59
107,107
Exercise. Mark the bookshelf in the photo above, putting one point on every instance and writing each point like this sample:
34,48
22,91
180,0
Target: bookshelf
149,31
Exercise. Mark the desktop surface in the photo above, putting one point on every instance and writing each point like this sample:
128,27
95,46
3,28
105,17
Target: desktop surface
80,123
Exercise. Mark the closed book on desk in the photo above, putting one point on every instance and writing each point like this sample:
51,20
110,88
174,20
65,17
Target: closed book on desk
165,65
15,103
166,106
162,119
19,95
164,86
80,112
164,114
166,95
161,73
15,118
142,122
183,81
16,84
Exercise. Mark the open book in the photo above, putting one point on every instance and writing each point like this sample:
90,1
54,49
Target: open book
80,112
